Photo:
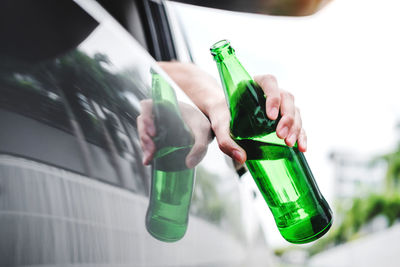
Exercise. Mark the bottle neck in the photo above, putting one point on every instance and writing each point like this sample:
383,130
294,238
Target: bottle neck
161,91
171,129
233,76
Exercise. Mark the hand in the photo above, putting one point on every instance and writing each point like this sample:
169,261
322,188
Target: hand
195,120
289,127
146,130
201,129
206,93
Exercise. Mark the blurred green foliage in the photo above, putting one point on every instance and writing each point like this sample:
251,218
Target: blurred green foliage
365,209
362,212
392,177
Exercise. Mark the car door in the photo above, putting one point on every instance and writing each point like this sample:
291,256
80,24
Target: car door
73,188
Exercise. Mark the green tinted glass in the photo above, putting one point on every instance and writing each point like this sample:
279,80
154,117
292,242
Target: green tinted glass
172,181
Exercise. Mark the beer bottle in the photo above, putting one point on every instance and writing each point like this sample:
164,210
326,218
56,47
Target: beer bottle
172,181
280,172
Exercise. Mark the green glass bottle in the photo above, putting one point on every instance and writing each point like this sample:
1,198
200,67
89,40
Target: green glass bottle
172,182
280,172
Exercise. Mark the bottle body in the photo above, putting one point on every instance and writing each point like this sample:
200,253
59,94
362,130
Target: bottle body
172,182
287,185
280,172
170,197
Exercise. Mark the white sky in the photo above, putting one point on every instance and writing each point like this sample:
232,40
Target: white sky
341,64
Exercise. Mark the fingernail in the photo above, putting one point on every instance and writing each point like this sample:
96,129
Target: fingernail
273,113
237,155
291,139
284,132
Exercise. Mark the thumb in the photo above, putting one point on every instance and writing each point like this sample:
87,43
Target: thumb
227,145
195,155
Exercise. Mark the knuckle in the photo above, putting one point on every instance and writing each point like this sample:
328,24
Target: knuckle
224,144
220,127
290,96
201,147
148,121
269,78
290,119
143,140
287,95
273,99
297,128
266,79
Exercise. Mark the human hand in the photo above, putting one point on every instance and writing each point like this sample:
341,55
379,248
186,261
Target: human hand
206,93
278,100
289,127
195,120
201,129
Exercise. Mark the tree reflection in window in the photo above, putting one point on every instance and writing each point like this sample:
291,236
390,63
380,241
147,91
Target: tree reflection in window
98,99
78,87
25,92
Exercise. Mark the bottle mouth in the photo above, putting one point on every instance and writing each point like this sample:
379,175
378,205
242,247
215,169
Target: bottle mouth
221,49
219,45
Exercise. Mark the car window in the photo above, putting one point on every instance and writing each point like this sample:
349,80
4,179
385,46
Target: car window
89,88
34,118
72,182
86,94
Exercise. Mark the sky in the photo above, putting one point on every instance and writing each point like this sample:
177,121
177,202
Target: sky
341,64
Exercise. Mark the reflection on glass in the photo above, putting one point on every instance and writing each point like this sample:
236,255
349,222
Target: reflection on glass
172,181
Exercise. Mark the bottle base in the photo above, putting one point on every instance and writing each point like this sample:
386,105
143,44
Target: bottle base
164,229
308,238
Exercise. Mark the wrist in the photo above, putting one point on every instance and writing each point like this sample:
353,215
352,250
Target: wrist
215,108
213,104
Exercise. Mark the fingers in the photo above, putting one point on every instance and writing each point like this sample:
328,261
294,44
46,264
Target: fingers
228,146
295,129
147,144
290,125
196,154
302,141
220,125
271,90
146,130
288,112
201,129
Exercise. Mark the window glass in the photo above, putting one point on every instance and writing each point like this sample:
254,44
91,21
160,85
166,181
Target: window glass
27,90
34,116
89,87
